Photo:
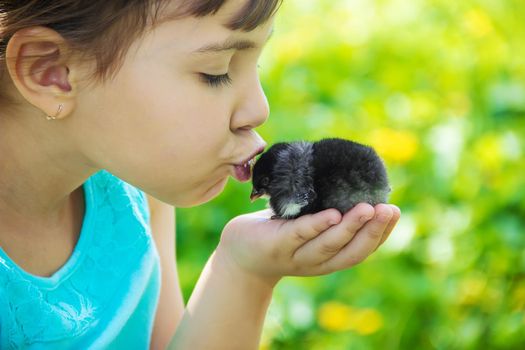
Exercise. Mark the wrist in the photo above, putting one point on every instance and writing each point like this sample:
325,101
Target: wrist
225,263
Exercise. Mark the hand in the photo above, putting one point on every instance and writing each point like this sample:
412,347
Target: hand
310,245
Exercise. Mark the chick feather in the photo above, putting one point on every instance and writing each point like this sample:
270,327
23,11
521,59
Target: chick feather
303,177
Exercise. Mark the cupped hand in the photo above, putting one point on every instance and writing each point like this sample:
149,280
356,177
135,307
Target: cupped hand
310,245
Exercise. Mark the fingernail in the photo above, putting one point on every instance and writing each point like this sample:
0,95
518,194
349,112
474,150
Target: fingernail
364,219
383,218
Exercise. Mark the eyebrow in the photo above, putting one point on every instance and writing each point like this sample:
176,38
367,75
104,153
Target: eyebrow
230,45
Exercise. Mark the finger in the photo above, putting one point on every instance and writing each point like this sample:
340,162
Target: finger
330,242
301,230
363,244
395,218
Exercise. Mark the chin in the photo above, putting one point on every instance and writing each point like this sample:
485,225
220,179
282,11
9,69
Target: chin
208,195
214,190
197,198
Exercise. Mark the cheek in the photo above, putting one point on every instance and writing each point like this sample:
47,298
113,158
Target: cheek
164,110
177,105
164,135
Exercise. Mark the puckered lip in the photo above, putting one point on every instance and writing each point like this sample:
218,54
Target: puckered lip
251,156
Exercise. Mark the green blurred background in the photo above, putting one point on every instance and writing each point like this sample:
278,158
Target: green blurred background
438,88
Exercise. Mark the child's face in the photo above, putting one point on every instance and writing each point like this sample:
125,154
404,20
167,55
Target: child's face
159,126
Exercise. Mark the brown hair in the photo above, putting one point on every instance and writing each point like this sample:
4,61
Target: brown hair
104,30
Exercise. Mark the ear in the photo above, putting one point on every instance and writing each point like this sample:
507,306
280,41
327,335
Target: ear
37,62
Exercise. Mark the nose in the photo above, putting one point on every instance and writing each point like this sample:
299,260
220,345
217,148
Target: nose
252,107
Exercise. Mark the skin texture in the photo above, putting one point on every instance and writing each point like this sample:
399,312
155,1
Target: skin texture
158,126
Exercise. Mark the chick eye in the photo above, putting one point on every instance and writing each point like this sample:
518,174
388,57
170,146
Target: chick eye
216,80
265,181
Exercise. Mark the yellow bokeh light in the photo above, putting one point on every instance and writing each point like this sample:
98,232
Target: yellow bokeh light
489,152
335,316
471,289
338,317
395,145
368,321
478,23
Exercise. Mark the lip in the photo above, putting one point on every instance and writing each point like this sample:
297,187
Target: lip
249,158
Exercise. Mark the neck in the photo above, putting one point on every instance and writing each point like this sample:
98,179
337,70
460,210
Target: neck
39,171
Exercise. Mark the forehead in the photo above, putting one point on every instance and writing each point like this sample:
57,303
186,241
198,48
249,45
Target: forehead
200,36
245,15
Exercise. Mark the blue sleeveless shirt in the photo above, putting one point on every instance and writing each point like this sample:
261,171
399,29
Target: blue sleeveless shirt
106,294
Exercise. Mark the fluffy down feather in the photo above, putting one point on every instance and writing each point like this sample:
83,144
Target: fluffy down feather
306,177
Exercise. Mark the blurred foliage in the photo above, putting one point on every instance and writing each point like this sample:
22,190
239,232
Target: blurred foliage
438,88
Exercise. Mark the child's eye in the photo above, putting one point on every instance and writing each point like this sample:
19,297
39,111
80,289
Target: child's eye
216,80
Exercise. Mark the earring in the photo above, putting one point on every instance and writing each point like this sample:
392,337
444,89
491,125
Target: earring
57,113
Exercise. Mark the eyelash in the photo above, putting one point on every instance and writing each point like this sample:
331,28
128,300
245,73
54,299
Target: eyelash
216,80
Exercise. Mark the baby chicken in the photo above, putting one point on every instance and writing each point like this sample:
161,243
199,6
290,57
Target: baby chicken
306,177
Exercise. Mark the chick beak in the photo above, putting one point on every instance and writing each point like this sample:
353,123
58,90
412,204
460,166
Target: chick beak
255,195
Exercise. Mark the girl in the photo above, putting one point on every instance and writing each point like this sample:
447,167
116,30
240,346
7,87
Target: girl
105,101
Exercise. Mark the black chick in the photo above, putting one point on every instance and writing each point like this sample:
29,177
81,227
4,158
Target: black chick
306,177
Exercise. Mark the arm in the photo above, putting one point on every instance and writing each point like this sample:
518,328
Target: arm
226,304
226,310
171,304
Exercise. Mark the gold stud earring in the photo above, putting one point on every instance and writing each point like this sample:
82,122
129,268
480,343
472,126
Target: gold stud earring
56,114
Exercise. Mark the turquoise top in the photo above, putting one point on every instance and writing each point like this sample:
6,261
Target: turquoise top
105,296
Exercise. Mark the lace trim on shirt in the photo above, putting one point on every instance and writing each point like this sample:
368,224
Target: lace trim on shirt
120,237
